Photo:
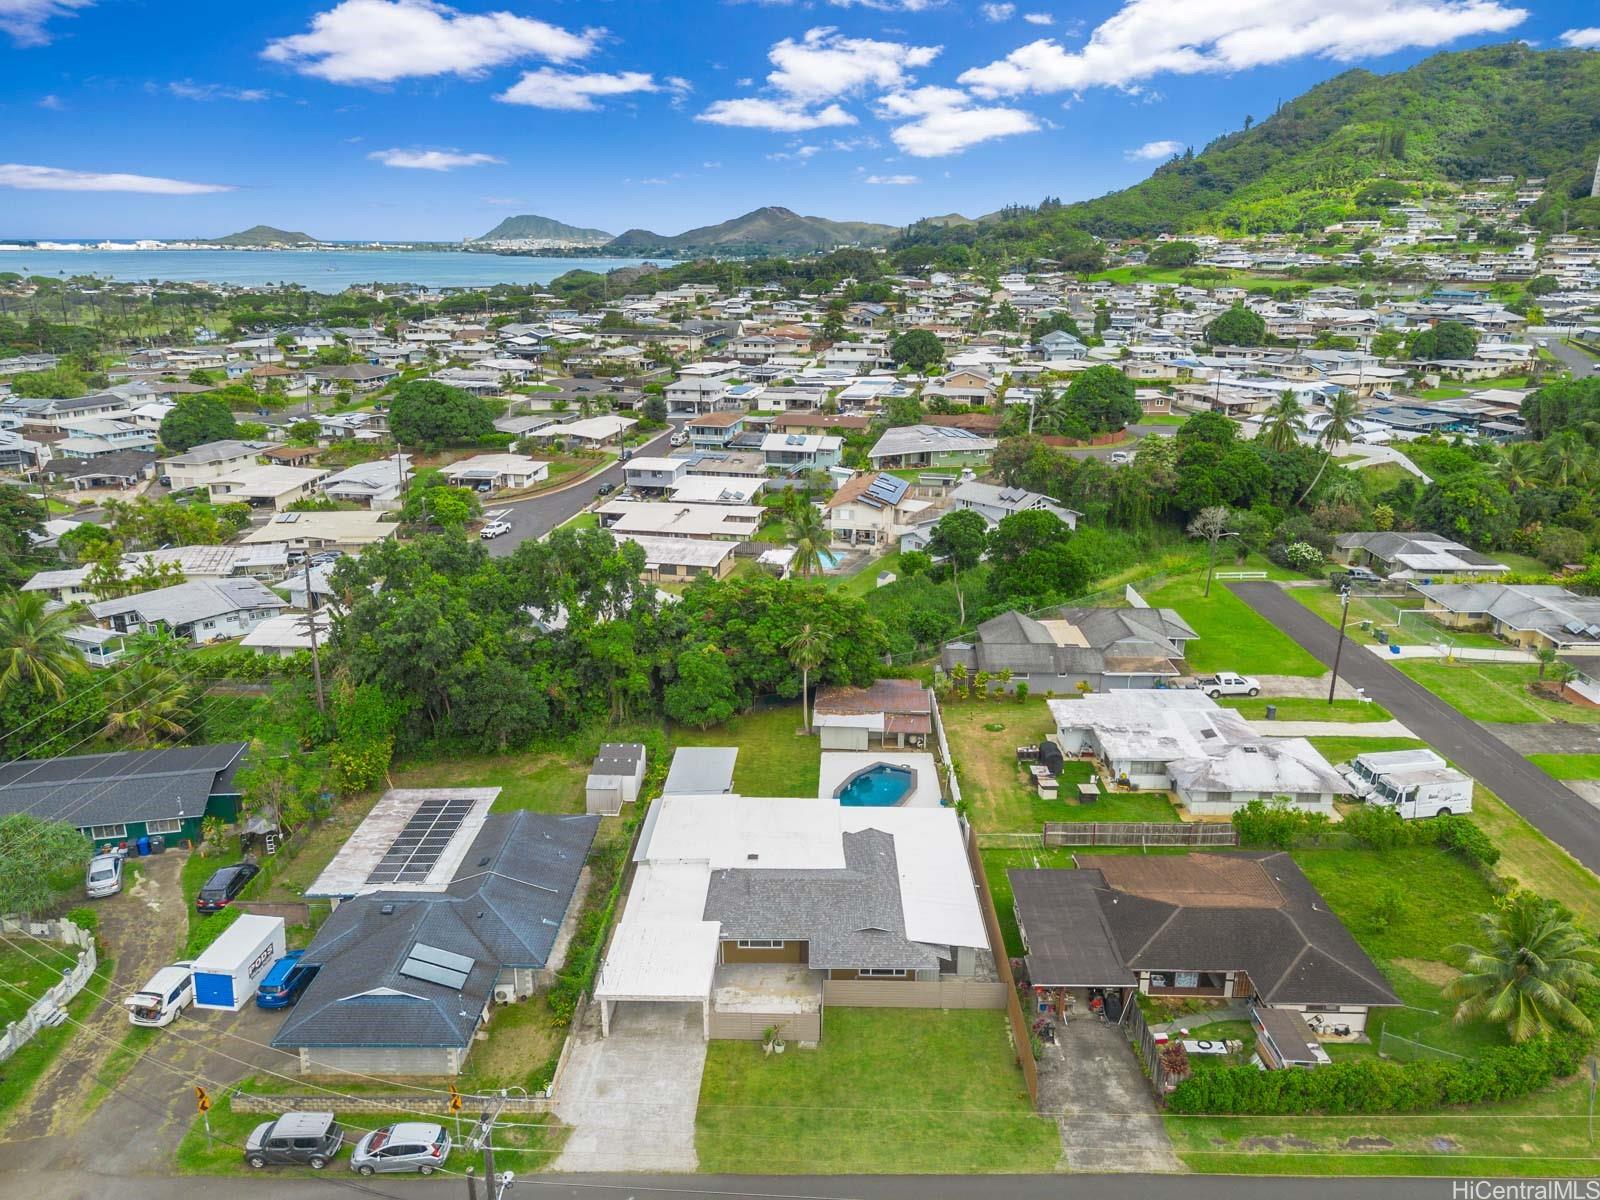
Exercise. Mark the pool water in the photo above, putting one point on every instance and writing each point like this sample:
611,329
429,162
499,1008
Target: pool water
880,786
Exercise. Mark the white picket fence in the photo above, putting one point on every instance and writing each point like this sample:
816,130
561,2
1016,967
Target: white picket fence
49,1009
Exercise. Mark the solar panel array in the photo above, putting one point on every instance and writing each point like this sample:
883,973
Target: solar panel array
417,847
433,965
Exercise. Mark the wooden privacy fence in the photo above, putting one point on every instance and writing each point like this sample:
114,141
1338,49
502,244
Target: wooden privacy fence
914,993
1138,833
1021,1040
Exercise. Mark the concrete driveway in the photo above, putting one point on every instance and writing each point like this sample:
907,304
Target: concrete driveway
631,1097
1556,811
1549,737
1095,1087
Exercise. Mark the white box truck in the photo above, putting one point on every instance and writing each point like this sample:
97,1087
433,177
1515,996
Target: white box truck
228,971
1424,792
1364,772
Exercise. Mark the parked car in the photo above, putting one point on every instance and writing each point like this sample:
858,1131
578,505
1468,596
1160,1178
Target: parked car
409,1146
1354,575
1226,683
625,456
605,489
1120,456
678,439
225,883
295,1139
168,992
325,557
104,876
494,529
286,980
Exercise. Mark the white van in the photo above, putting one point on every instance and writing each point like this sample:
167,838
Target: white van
169,992
1366,771
1424,792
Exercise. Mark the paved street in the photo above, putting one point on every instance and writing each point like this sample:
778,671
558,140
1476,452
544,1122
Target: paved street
538,515
1551,807
1580,364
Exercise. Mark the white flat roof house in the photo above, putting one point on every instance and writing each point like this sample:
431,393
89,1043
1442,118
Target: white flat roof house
262,487
375,484
719,522
591,431
198,466
675,559
299,532
495,472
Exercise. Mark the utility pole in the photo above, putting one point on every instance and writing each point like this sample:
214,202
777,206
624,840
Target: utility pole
1338,651
311,622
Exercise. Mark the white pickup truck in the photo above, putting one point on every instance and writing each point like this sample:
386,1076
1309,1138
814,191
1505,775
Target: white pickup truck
1226,683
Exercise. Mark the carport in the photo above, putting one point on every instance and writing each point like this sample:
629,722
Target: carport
662,952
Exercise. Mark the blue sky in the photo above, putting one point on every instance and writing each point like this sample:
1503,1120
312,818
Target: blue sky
417,119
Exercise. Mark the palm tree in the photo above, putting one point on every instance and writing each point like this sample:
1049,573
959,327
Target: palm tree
1284,422
1533,961
33,644
1567,460
147,703
1051,412
808,533
807,648
1519,466
1343,412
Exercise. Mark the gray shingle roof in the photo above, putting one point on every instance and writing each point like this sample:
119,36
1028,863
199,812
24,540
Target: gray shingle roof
114,789
1118,639
503,909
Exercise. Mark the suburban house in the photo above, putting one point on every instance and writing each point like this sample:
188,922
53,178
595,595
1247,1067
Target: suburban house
680,559
1107,649
199,611
588,431
615,777
265,486
308,532
995,503
795,452
1533,616
669,519
1182,741
714,430
69,585
1413,555
124,469
496,472
118,798
889,712
929,446
757,910
410,971
199,466
967,385
378,484
1219,926
873,509
646,474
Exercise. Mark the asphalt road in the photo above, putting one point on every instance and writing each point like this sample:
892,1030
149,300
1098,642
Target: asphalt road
1549,806
1580,364
67,1186
536,516
1136,431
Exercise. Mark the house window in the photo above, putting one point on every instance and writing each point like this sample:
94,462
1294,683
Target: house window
107,831
880,973
166,826
759,945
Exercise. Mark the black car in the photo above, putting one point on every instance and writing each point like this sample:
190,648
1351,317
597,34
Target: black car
224,885
298,1139
605,489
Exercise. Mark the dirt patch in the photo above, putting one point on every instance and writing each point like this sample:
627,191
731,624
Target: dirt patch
1429,970
1275,1144
1443,1145
1369,1142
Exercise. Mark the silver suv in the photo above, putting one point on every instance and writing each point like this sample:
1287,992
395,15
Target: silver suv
294,1139
409,1146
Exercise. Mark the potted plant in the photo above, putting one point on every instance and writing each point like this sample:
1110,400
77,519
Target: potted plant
769,1039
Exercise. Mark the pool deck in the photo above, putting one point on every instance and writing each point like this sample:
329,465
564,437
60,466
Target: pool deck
839,765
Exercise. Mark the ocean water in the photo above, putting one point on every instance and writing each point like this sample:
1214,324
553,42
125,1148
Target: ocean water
316,270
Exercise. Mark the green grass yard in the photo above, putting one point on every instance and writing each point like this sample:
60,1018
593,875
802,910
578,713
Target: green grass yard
1383,613
1568,766
775,758
1494,692
887,1090
21,969
995,865
1232,636
27,1066
1306,708
1342,749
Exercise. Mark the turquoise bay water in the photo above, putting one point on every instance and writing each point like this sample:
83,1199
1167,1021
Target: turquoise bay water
316,270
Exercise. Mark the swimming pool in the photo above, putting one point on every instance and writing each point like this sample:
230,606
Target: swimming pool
878,786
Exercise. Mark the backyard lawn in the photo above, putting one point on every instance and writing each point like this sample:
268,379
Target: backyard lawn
1306,708
1568,766
775,758
1342,749
886,1091
1404,621
1495,692
995,865
542,781
986,759
1232,636
21,967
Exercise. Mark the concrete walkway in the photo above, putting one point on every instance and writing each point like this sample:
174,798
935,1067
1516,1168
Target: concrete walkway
1195,1023
631,1098
1375,729
1103,1105
1464,653
1548,737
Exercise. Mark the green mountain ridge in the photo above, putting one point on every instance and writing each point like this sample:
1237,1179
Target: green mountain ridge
528,225
265,235
1453,118
771,229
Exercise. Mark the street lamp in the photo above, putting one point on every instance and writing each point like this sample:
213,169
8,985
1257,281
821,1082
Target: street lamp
1344,616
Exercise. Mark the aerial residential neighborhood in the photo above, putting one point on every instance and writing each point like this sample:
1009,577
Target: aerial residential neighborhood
1103,691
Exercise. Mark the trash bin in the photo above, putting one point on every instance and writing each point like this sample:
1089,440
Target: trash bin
1383,636
144,845
158,843
1272,712
1394,649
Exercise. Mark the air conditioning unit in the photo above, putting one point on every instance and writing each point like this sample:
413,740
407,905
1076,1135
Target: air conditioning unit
505,993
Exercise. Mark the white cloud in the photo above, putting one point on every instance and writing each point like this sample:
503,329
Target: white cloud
953,130
1039,18
1163,150
919,102
431,160
52,102
780,116
25,20
188,89
1582,39
910,6
798,154
58,179
892,180
823,65
998,12
379,41
576,91
1154,37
